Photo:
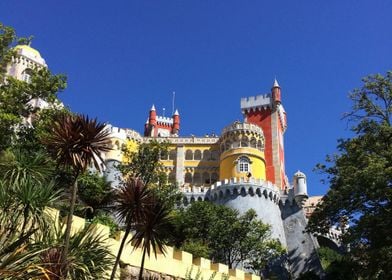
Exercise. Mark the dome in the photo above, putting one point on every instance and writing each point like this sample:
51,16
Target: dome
30,53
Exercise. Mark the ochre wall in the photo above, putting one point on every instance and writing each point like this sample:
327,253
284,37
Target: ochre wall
228,165
174,262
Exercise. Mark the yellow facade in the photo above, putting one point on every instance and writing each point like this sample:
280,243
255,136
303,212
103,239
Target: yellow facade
229,164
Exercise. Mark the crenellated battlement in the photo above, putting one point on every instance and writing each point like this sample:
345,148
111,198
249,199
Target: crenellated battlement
234,186
240,126
165,120
256,102
174,264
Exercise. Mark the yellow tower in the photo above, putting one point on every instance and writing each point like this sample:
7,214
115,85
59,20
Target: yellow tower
242,152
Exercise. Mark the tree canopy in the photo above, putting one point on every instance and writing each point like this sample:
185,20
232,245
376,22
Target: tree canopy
223,235
360,178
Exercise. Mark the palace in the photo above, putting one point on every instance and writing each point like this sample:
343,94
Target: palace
243,168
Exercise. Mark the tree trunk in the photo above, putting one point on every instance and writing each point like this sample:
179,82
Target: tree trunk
119,254
67,234
142,265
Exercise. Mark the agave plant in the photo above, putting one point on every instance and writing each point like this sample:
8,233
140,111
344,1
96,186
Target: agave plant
152,230
76,142
89,258
130,205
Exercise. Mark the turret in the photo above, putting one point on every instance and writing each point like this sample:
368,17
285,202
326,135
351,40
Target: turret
176,122
152,119
300,187
275,90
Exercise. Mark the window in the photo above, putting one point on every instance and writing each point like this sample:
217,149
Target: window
26,75
244,164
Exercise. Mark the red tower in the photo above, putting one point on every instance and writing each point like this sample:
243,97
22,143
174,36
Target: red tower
160,126
267,112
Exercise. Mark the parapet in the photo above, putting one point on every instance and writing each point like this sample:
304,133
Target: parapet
228,187
256,102
174,263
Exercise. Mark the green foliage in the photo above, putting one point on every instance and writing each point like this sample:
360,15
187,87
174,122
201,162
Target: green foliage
197,276
327,256
360,179
221,234
106,220
95,190
144,163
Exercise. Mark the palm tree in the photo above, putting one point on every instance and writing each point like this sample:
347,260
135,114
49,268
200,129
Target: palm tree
75,142
152,230
130,206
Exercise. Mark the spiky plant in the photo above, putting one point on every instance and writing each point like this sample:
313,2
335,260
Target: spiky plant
76,142
131,204
152,231
89,258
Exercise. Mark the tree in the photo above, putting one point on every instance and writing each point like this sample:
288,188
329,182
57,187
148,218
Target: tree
151,231
221,234
130,207
76,142
360,179
15,95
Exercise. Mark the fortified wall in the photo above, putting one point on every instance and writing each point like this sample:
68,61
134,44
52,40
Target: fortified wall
174,264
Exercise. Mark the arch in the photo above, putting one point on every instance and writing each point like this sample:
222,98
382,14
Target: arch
243,191
235,191
214,155
206,155
188,178
172,154
236,144
251,191
199,198
227,193
243,164
214,178
260,145
117,145
185,201
163,155
188,155
197,155
253,142
220,194
258,192
244,141
172,177
227,145
26,75
270,195
206,178
192,199
197,178
206,198
265,193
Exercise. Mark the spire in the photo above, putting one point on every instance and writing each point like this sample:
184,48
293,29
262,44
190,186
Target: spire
176,113
153,107
276,84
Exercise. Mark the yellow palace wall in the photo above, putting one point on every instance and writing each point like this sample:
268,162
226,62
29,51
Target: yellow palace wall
175,263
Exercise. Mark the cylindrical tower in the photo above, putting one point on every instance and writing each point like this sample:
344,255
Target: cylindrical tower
242,152
300,187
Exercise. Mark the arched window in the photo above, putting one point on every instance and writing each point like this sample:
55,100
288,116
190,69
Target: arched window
206,155
260,145
117,145
26,75
188,155
243,164
163,155
253,143
214,178
197,155
172,177
206,178
188,178
244,142
172,155
214,155
197,178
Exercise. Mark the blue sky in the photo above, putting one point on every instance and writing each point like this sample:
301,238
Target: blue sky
122,56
